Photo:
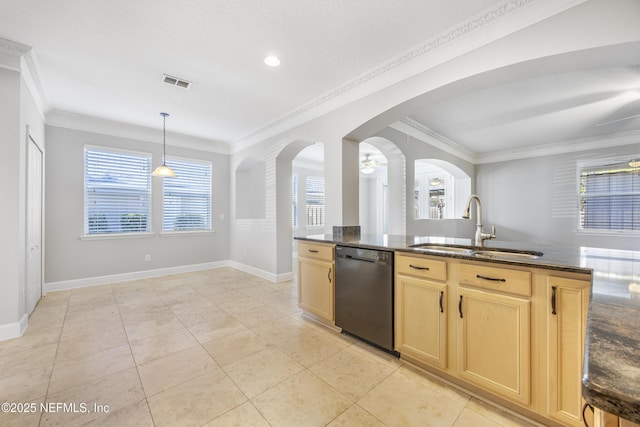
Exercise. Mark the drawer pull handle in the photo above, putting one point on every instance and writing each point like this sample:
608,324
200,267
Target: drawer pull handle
553,300
313,251
441,298
493,279
460,306
417,267
329,275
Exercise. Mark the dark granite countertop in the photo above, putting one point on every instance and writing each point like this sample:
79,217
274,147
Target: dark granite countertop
611,375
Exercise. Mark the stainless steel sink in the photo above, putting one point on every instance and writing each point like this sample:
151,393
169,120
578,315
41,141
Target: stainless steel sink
474,251
504,254
443,248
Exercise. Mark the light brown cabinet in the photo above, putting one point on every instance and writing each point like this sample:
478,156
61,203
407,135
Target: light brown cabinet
566,314
510,332
421,319
316,279
605,419
494,342
494,329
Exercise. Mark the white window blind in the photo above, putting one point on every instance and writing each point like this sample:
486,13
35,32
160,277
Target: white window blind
610,197
294,201
117,191
315,200
186,199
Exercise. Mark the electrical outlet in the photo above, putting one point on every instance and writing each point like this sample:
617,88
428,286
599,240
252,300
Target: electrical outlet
147,257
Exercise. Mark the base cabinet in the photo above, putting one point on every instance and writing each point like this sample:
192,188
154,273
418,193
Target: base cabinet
421,320
494,342
513,332
316,280
605,419
567,302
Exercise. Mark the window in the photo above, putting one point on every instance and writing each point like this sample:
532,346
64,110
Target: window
186,199
315,200
117,191
610,195
440,189
294,201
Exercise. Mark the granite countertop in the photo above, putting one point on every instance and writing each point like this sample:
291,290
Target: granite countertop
611,374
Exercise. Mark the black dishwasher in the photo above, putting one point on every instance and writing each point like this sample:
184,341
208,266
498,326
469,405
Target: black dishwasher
364,294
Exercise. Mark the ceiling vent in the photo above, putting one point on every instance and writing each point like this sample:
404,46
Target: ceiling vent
174,81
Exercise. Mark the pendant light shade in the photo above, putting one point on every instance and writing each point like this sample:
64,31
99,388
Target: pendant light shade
164,170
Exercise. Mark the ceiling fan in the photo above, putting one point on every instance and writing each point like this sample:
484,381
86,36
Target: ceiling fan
368,165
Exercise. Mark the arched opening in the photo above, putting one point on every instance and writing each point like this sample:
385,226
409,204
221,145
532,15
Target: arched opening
308,190
381,187
288,207
440,189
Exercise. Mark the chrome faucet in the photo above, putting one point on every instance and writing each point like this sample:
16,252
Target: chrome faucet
481,236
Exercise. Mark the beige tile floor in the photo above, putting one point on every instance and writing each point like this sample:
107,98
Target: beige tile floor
211,348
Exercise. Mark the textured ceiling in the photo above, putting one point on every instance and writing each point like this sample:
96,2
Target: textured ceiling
106,58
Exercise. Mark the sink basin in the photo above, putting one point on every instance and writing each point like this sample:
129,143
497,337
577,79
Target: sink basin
489,253
443,248
503,254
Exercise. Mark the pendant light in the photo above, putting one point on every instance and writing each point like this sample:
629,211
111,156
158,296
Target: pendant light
164,170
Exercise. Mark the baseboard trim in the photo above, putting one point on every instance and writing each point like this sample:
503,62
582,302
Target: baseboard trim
283,277
14,330
123,277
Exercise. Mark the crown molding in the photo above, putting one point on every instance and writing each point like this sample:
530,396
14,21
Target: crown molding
80,122
10,54
21,58
31,76
475,32
13,48
562,147
422,133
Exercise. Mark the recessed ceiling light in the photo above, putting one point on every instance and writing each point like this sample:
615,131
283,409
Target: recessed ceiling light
272,61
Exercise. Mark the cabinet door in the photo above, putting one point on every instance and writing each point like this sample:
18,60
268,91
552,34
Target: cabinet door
421,321
494,343
567,303
315,287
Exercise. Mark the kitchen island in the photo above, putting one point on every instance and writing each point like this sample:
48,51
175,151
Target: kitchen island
611,374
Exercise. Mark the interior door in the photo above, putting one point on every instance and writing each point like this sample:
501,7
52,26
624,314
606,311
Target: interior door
35,186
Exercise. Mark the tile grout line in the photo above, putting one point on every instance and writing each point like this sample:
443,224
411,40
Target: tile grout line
55,357
146,400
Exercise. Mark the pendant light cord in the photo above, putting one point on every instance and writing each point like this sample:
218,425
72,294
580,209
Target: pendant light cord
164,138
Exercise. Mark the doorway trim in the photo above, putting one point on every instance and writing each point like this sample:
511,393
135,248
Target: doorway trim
32,139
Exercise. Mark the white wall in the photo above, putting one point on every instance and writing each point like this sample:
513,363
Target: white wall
19,111
590,24
70,258
536,199
12,213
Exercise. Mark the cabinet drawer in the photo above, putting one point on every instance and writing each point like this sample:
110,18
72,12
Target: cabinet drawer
500,279
315,250
421,267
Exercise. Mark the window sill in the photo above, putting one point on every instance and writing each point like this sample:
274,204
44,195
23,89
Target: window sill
608,233
111,236
186,233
